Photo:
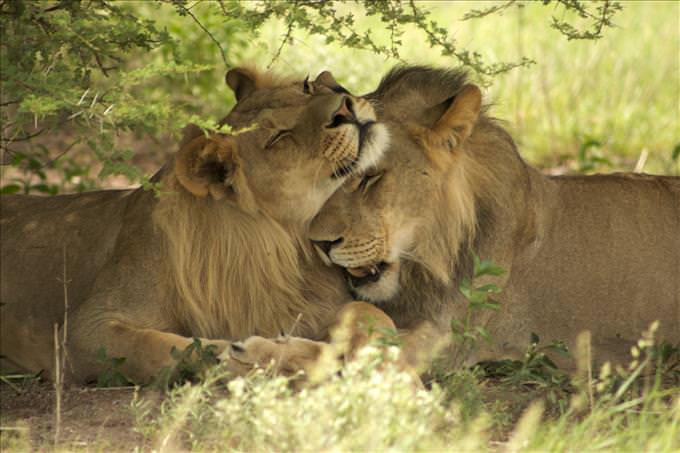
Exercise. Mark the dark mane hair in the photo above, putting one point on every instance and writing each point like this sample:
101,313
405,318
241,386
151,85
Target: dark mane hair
422,78
432,86
477,194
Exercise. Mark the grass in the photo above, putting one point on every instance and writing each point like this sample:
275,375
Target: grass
511,406
371,408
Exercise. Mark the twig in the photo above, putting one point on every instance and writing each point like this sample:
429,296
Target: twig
217,43
60,353
24,138
8,382
65,282
286,38
57,385
50,164
295,324
107,389
642,160
589,365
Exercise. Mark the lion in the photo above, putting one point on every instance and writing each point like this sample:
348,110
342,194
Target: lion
220,255
594,253
356,325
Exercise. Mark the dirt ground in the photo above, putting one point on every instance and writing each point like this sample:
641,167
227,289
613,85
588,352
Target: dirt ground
99,419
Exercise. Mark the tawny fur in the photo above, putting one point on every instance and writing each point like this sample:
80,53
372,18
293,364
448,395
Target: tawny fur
598,253
219,255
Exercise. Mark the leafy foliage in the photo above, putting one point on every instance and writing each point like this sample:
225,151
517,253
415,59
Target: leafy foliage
536,371
89,71
64,67
466,334
112,376
369,408
597,15
192,364
590,157
372,407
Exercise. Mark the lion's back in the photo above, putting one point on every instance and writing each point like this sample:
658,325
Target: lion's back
612,254
37,231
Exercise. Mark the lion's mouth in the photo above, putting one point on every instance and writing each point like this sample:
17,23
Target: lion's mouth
363,275
345,168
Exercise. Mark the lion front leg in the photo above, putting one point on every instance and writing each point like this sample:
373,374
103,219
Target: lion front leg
357,325
144,352
360,324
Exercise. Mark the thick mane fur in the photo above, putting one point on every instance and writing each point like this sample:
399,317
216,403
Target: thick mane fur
486,181
431,84
233,274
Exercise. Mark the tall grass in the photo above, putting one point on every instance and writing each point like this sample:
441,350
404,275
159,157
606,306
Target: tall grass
374,407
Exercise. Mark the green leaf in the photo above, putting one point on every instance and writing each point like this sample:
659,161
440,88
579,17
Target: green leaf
487,305
10,189
559,347
534,339
486,267
457,327
484,334
676,152
101,354
490,288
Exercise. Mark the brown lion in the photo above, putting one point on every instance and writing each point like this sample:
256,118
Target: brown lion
581,253
221,255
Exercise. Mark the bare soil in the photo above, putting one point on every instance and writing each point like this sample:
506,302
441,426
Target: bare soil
99,419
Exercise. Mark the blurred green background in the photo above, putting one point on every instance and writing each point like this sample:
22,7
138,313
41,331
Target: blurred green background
610,104
600,103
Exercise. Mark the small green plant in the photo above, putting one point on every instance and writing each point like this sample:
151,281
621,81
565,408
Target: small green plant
371,407
32,176
675,160
666,358
112,376
191,365
537,371
590,156
466,334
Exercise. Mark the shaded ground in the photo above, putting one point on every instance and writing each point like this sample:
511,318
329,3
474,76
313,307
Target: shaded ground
89,416
103,419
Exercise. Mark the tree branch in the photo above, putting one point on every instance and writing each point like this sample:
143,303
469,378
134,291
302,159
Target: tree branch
212,37
286,38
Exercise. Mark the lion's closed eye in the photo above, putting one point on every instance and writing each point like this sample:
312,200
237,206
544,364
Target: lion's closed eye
277,137
369,180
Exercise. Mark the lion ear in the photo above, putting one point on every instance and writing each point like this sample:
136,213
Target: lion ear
455,125
327,79
242,82
208,166
460,118
190,132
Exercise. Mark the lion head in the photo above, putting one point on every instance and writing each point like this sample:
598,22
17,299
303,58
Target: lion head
240,203
418,208
302,140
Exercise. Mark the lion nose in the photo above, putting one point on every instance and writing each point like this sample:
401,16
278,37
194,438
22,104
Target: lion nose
344,114
326,246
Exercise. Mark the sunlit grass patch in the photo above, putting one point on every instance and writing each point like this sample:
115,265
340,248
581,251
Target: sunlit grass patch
371,407
374,407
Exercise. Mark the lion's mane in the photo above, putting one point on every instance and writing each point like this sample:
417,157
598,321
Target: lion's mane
230,270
